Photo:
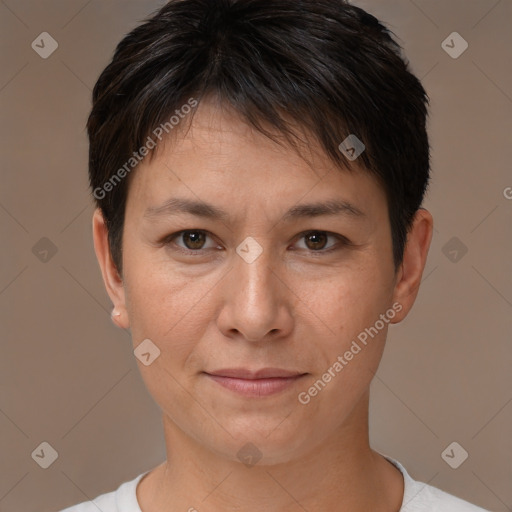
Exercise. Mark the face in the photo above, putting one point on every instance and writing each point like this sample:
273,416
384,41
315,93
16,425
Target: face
254,298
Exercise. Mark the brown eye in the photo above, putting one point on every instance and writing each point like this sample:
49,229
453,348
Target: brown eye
193,240
316,240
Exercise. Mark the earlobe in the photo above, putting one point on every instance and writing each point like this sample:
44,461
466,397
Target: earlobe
413,263
111,278
117,318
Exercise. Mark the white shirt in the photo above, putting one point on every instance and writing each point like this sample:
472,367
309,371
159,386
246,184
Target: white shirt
418,497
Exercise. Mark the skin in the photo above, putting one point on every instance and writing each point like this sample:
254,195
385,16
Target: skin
295,307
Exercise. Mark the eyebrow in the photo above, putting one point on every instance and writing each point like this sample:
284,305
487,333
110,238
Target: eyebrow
177,206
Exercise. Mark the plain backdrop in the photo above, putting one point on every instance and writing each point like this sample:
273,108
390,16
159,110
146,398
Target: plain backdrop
68,376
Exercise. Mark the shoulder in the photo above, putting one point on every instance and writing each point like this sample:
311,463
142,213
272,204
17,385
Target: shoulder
421,497
123,499
426,498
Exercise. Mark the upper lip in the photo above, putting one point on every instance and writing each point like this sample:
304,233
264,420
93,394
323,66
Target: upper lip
263,373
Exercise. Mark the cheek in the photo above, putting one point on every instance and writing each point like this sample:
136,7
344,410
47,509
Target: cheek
348,306
174,314
348,302
161,303
348,357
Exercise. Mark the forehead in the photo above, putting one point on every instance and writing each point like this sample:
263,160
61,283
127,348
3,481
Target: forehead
220,157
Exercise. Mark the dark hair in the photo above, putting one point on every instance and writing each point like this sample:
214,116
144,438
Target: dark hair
324,66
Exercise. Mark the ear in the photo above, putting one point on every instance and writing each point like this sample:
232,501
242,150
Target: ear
415,256
111,278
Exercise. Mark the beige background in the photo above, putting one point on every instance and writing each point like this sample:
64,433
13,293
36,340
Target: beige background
68,376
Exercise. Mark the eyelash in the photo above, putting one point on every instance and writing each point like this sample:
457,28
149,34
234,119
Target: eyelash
169,240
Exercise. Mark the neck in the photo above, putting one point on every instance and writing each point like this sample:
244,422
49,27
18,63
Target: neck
341,474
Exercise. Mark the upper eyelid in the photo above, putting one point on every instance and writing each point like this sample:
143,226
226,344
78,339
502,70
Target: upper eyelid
176,234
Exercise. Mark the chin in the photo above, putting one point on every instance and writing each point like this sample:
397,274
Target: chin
265,443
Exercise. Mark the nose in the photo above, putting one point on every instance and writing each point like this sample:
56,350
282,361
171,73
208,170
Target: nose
256,301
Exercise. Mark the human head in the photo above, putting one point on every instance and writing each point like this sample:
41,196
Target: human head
325,66
294,309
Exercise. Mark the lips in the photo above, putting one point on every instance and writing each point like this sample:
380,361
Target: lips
255,383
263,373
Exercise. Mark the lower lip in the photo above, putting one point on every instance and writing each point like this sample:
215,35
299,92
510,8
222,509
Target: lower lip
256,387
